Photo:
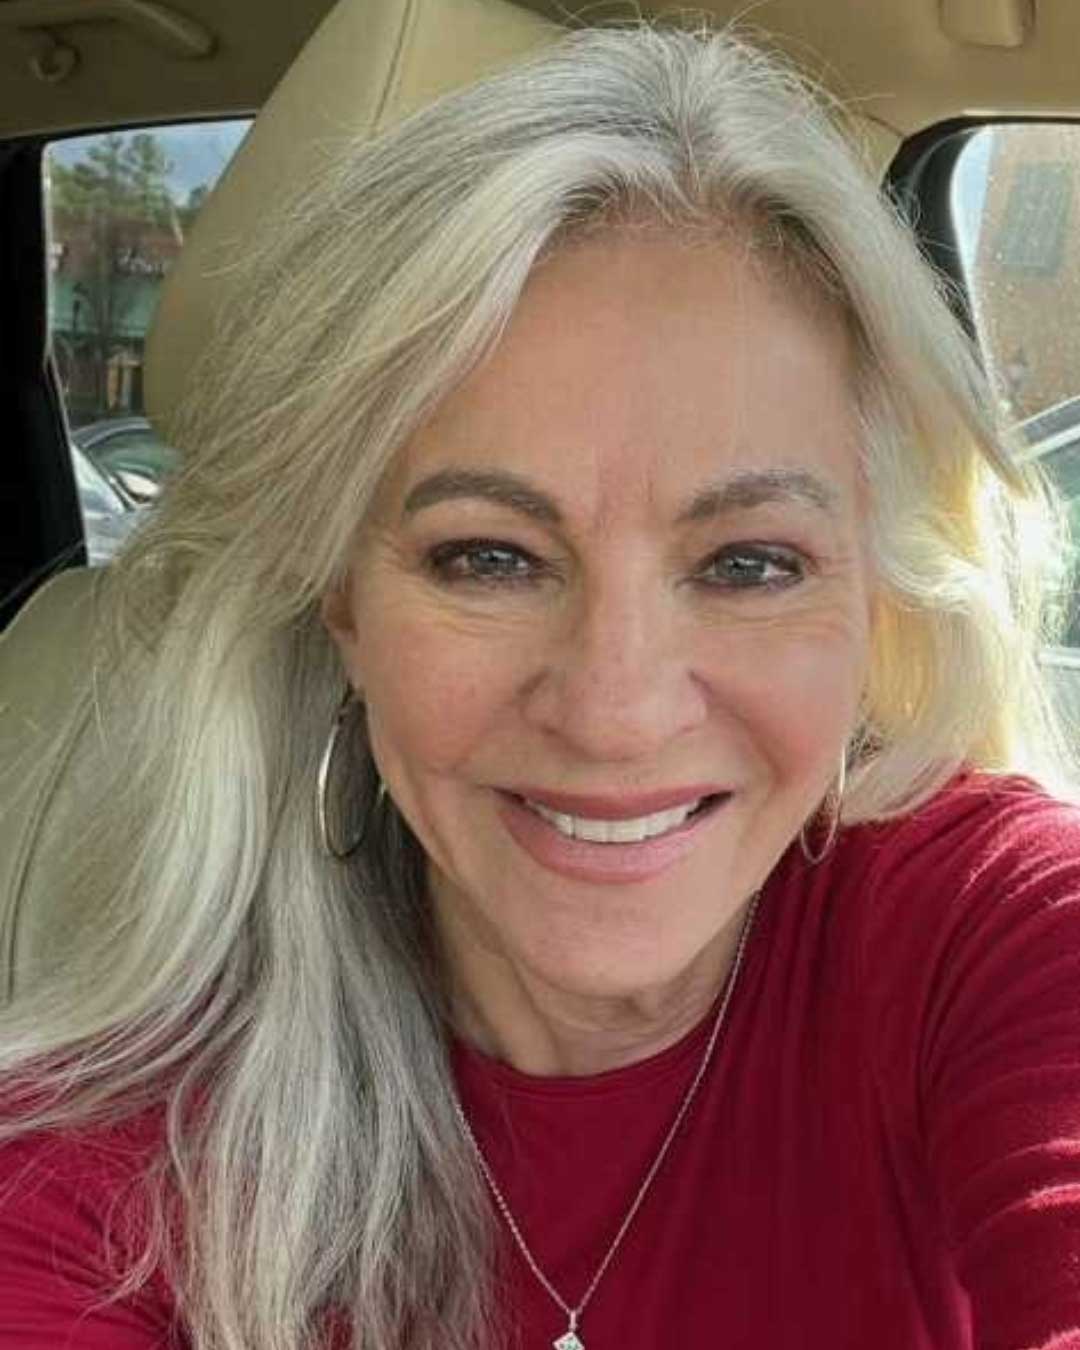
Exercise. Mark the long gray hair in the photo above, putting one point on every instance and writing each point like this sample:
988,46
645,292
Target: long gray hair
285,1009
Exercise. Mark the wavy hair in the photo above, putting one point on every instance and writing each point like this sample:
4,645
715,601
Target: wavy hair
284,1011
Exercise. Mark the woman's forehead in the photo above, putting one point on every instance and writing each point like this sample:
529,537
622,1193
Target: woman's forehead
641,361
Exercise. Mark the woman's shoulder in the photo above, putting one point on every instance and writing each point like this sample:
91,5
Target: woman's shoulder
978,828
90,1152
974,892
966,908
74,1218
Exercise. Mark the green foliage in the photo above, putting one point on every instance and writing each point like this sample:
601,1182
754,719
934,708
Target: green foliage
117,226
123,177
109,212
194,204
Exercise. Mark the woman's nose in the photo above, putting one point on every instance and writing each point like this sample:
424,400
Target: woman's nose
617,682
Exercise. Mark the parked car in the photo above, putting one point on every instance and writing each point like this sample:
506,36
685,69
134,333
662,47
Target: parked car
1053,440
1053,429
130,453
109,517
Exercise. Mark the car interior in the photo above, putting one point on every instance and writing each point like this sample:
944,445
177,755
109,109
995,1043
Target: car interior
964,109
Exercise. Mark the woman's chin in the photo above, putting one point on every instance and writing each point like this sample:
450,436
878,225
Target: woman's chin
597,964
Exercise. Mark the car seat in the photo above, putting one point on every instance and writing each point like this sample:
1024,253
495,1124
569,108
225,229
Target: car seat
369,64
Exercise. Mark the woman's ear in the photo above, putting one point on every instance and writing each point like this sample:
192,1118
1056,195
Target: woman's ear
335,610
336,613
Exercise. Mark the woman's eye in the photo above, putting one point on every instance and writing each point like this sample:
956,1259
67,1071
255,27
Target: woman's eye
483,560
753,567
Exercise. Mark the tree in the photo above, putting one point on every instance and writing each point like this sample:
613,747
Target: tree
194,204
114,199
123,176
147,169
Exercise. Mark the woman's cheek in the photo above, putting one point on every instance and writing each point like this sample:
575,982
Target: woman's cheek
439,685
794,688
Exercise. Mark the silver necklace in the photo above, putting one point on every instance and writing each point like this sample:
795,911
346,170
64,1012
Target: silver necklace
570,1340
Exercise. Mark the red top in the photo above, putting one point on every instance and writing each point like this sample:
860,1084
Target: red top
885,1151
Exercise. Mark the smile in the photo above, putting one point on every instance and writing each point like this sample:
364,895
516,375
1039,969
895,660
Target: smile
603,848
633,831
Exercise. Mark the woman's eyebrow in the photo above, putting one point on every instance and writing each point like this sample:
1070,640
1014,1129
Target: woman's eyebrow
493,485
756,487
739,491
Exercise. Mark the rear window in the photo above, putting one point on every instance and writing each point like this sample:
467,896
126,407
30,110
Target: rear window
120,206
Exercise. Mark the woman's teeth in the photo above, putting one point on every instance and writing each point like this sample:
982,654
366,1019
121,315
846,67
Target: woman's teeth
615,831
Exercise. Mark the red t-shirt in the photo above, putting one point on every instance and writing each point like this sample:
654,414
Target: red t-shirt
885,1151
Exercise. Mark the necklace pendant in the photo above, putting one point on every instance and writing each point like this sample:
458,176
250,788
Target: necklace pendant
569,1342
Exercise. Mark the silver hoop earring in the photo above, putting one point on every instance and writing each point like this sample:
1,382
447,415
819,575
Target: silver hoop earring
321,813
833,802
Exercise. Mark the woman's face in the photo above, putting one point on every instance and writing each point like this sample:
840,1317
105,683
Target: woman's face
619,573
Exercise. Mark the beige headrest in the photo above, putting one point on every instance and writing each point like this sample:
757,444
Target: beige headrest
369,64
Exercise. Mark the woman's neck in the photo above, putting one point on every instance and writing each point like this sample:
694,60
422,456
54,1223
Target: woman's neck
505,1012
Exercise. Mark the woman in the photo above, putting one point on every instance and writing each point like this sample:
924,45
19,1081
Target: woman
658,943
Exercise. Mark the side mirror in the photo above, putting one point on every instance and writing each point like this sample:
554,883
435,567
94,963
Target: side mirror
138,486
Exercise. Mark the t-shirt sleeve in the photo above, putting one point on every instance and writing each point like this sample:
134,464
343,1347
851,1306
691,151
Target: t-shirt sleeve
61,1251
998,1097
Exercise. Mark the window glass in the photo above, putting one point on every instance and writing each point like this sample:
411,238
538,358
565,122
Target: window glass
120,205
1016,207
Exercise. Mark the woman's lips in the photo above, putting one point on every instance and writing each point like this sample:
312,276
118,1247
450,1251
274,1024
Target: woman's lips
584,860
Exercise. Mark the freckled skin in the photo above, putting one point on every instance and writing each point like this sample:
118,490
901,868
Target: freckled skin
635,371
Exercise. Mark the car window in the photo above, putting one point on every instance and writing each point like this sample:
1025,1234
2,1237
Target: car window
120,205
1015,205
